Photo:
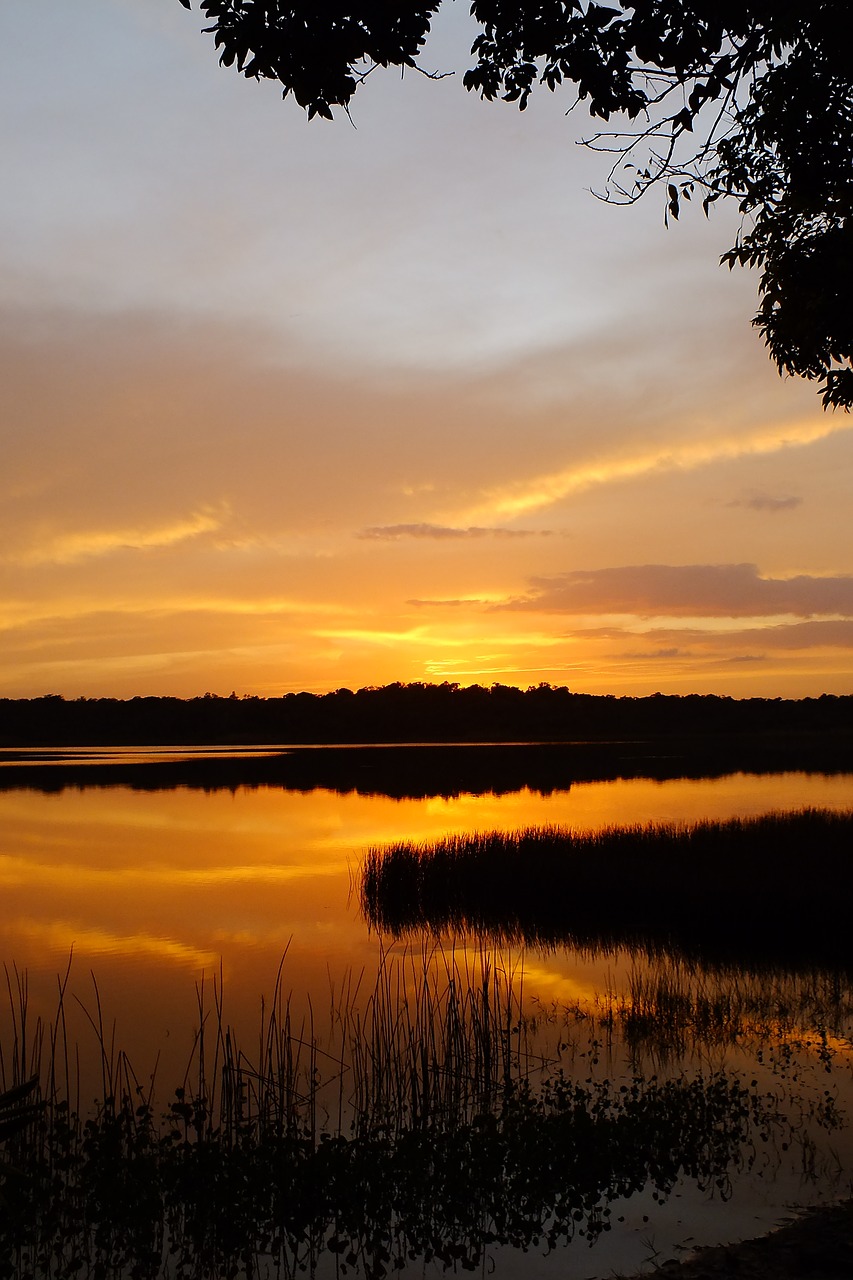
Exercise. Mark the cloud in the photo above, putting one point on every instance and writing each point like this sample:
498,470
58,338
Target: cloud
651,655
459,602
685,455
67,617
699,590
440,532
828,634
66,548
696,643
766,502
804,636
694,656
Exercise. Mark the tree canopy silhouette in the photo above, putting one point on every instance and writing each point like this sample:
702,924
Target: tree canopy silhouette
748,99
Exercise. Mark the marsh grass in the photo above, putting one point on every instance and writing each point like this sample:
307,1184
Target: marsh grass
661,1015
762,892
428,1125
677,1009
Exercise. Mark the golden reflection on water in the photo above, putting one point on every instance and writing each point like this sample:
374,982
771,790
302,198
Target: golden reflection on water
153,889
157,890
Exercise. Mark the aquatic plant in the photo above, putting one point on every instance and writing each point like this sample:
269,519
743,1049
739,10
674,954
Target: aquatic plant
771,891
428,1128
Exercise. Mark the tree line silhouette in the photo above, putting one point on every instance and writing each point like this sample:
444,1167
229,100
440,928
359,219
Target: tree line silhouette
416,712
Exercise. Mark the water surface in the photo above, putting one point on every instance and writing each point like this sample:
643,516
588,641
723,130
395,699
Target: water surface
156,890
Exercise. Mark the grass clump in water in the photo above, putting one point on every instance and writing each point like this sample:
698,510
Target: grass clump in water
772,890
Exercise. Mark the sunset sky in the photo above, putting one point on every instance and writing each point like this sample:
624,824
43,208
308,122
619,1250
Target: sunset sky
290,405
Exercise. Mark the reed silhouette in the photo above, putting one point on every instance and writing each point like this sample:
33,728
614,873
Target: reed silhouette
768,891
431,1127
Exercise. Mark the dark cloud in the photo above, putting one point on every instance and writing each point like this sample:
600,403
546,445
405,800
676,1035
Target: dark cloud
653,654
665,642
441,532
766,502
699,590
688,655
453,604
830,634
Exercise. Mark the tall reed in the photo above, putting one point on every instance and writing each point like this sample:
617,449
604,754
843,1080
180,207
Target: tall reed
429,1126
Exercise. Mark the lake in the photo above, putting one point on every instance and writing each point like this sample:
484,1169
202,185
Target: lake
152,889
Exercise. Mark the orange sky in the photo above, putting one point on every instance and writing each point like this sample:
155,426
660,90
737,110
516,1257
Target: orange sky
289,405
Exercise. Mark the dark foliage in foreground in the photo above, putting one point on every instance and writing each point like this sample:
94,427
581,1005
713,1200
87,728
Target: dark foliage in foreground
122,1193
439,1132
774,890
750,100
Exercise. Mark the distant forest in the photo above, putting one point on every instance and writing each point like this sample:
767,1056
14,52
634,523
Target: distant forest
411,713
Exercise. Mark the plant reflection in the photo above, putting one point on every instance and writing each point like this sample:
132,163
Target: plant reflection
433,1121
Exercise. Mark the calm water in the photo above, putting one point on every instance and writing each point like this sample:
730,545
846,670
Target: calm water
153,890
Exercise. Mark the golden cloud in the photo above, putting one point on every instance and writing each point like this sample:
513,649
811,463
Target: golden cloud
67,548
545,490
697,590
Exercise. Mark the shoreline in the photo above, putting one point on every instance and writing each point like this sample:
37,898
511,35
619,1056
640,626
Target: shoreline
815,1244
